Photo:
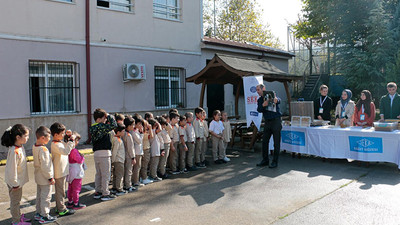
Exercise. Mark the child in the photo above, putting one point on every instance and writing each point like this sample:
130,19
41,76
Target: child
99,132
148,115
118,158
130,160
119,118
16,171
191,138
147,135
206,138
216,129
44,175
200,136
227,133
183,149
76,173
137,136
173,155
155,149
167,142
60,151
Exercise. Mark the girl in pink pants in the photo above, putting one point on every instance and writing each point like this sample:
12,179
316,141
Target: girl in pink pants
76,173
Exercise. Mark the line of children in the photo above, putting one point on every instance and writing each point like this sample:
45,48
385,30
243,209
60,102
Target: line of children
131,145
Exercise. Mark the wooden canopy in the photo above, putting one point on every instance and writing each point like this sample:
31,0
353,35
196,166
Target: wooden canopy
226,69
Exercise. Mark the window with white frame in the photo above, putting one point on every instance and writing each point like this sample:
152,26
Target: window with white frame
170,88
54,87
167,9
120,5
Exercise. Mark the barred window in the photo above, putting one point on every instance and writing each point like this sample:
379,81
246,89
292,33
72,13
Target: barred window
170,88
54,87
119,5
167,9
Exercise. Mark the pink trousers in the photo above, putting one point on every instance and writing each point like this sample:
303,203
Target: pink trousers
74,189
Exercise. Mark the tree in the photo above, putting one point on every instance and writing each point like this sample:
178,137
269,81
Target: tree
363,32
238,20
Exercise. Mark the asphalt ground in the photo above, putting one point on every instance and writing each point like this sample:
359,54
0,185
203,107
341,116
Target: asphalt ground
299,191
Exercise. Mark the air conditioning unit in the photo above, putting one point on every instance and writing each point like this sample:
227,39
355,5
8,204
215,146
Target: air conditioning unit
134,71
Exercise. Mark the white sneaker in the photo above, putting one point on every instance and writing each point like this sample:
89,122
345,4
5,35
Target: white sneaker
226,159
147,181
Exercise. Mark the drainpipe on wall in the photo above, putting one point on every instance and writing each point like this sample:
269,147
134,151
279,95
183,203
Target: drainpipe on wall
88,85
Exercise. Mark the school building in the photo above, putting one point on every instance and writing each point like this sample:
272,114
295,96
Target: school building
61,59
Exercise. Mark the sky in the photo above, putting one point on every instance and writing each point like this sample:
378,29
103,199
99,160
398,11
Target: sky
278,14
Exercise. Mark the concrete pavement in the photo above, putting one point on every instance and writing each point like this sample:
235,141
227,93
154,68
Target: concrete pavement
299,191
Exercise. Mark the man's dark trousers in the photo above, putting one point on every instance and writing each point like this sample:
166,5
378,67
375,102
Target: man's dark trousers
272,127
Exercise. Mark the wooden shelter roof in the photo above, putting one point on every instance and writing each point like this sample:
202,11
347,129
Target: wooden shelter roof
224,69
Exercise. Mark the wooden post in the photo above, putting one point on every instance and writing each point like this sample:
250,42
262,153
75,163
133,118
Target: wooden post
285,83
237,99
203,88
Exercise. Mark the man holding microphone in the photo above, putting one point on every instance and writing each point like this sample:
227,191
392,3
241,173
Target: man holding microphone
269,107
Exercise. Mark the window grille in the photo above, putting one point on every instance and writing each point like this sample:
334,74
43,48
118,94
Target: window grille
54,87
167,9
170,88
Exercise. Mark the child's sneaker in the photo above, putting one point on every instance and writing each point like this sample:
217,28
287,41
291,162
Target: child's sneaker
164,176
218,161
147,181
119,193
66,212
193,168
108,197
78,206
184,171
24,219
37,216
113,191
156,179
226,159
69,205
48,219
200,166
130,189
175,172
138,185
97,195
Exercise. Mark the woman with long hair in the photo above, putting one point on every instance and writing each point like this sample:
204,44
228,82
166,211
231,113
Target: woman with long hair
364,114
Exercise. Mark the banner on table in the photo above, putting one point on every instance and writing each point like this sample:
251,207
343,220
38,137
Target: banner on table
365,144
293,137
251,96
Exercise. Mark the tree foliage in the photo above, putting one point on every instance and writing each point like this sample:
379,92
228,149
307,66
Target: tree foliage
238,20
367,36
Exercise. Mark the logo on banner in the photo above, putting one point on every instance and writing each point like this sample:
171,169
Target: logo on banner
252,113
365,144
253,89
293,138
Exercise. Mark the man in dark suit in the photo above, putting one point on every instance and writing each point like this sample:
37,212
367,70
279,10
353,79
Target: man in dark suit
390,103
273,125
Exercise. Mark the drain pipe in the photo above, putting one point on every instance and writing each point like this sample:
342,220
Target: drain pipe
88,84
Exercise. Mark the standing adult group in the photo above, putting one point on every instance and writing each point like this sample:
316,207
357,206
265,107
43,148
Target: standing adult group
347,113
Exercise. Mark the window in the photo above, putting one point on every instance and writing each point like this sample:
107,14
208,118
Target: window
170,89
54,87
120,5
168,9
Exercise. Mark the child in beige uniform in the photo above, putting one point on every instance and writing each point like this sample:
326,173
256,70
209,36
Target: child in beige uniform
60,151
137,136
155,149
44,175
147,134
207,137
167,146
190,143
183,149
174,152
118,158
227,133
200,137
16,173
130,160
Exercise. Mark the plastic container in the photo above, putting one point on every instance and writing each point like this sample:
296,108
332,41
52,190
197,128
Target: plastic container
385,126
